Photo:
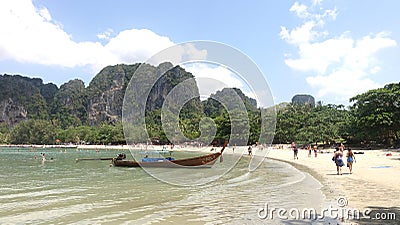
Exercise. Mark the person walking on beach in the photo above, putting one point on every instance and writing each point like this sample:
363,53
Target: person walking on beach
295,151
250,150
309,151
338,159
350,159
315,151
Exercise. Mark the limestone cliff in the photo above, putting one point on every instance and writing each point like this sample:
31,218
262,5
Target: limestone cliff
106,91
106,94
12,113
21,98
73,104
69,106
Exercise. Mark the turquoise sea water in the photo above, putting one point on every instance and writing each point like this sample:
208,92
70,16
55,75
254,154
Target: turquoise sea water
62,191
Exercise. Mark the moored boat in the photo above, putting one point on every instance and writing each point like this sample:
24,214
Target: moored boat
205,161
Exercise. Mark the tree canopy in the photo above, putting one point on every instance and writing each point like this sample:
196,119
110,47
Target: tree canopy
378,115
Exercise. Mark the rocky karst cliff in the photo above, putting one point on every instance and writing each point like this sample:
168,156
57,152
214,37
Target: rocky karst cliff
73,104
11,113
21,99
106,94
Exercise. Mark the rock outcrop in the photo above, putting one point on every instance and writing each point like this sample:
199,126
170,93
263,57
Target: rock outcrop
21,98
12,113
303,100
106,91
73,104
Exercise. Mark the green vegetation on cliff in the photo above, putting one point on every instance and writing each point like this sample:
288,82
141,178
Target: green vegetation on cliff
69,106
37,113
23,98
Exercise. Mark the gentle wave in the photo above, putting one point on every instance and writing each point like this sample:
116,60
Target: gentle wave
65,192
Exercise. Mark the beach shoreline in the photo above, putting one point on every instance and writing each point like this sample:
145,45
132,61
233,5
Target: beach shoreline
373,184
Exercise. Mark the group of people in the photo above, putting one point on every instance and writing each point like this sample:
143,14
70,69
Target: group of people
309,148
338,159
42,156
337,156
315,149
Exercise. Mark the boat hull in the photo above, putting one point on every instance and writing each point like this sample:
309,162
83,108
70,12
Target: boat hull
206,161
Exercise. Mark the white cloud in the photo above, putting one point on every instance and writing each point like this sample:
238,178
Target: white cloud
28,34
340,66
105,35
299,35
299,9
316,2
179,54
45,14
375,69
211,78
318,56
341,84
136,45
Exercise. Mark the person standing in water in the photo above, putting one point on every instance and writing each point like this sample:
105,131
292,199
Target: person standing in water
43,159
350,159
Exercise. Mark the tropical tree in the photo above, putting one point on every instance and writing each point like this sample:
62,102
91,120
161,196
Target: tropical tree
33,132
377,115
306,124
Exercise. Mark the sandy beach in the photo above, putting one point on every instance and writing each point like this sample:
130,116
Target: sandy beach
374,183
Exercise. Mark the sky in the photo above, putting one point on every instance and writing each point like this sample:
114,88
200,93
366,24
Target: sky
332,50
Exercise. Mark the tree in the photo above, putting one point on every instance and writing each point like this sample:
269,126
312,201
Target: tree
70,103
33,132
4,133
377,115
304,124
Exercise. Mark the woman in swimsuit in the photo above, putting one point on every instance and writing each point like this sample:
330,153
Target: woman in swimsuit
337,157
350,159
315,150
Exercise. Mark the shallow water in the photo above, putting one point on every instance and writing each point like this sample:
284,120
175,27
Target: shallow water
62,191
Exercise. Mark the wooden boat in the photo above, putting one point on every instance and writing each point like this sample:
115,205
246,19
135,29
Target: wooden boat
90,159
206,161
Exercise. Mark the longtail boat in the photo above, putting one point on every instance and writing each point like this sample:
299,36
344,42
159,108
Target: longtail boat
206,161
89,159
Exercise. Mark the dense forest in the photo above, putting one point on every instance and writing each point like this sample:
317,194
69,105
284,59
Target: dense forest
373,119
37,113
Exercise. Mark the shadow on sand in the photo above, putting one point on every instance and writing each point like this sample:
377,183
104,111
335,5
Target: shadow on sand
335,174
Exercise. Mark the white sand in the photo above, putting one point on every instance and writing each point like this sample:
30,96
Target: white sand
370,185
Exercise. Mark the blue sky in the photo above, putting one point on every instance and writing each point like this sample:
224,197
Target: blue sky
332,50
